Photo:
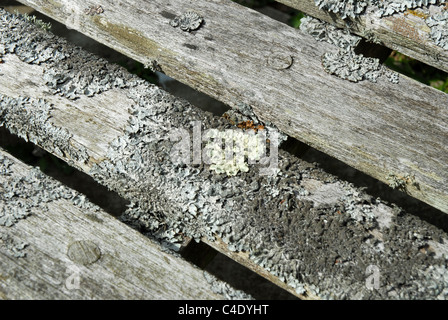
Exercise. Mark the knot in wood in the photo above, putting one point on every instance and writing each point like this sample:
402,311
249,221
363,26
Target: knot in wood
280,60
83,252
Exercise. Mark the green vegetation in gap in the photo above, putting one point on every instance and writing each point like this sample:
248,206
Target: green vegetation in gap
50,161
296,19
139,70
403,64
418,71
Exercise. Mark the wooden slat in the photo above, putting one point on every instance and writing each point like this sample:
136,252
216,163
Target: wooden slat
129,265
243,259
304,226
382,129
405,32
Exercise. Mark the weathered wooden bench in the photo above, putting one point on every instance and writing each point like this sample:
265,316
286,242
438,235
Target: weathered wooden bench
305,230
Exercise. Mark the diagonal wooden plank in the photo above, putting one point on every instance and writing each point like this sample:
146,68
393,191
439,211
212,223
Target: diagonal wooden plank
67,248
385,130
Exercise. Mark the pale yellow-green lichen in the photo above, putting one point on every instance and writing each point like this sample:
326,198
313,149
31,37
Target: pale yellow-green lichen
242,148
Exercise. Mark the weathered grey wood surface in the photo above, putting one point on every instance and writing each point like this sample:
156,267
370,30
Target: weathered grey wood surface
314,232
130,266
380,128
405,32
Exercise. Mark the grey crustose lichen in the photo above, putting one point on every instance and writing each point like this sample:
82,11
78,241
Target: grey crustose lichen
350,66
356,67
65,72
265,216
389,7
93,10
224,289
345,8
30,120
345,63
30,43
20,194
25,192
354,8
439,28
12,246
188,21
314,247
37,22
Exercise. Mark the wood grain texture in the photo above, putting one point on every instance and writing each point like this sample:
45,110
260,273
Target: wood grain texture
95,122
404,32
130,266
379,128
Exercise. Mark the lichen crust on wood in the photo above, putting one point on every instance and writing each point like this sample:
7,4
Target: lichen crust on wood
318,245
399,25
69,248
364,108
345,63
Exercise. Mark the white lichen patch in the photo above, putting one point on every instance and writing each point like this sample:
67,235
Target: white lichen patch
188,21
439,29
231,151
359,206
384,215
